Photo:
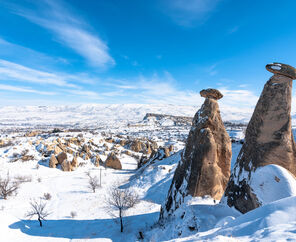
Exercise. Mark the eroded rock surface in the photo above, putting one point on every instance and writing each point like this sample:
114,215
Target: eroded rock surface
204,168
268,139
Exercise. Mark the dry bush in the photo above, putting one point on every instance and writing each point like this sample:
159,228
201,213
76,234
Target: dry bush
8,187
38,209
22,179
47,196
121,200
73,214
39,179
82,164
93,183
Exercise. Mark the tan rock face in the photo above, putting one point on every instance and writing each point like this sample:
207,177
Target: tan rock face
113,162
204,168
268,140
74,163
57,150
66,166
53,161
98,161
61,157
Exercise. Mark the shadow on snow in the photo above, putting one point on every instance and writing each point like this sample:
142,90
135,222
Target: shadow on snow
87,229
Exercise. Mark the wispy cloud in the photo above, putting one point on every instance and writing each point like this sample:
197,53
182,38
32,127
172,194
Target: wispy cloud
10,71
23,89
190,12
70,31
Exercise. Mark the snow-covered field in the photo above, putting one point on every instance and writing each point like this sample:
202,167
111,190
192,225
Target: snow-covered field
70,194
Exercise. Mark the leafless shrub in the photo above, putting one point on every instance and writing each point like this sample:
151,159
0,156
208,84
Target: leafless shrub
38,208
121,200
8,187
15,157
39,179
93,183
22,179
47,196
82,164
24,152
73,214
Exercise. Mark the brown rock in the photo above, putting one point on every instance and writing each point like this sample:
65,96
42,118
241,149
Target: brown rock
122,142
32,133
113,162
204,168
282,69
66,166
138,146
268,139
109,140
62,157
166,152
57,150
74,163
53,161
211,93
85,148
98,161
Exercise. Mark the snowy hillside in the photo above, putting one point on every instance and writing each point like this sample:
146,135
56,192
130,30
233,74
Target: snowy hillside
94,115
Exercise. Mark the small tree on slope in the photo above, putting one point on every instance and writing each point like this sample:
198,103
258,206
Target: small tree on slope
38,208
121,200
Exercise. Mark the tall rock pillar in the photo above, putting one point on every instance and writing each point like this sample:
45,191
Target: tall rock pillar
204,168
268,139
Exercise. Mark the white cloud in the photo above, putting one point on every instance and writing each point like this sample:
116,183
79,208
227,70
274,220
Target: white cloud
189,12
71,31
23,89
10,71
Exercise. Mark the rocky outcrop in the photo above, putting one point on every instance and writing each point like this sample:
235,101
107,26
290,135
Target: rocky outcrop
53,161
98,161
113,162
66,166
204,168
74,163
61,157
268,139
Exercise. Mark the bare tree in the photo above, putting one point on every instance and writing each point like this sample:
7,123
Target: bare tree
39,209
121,200
7,186
93,183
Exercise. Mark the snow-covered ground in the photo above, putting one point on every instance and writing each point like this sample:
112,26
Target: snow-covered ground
274,221
96,115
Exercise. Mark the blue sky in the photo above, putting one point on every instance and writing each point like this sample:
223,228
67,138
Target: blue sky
69,52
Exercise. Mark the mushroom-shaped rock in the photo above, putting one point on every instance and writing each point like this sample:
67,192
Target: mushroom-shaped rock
282,69
61,157
204,168
113,162
53,161
268,140
211,93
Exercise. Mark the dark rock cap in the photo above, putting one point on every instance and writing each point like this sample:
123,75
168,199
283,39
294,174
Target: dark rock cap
282,69
211,93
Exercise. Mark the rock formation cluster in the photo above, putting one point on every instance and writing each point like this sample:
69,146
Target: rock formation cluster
268,139
204,168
